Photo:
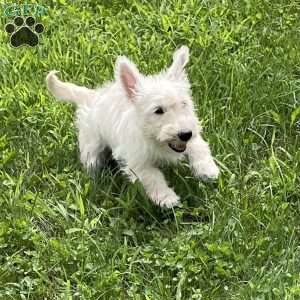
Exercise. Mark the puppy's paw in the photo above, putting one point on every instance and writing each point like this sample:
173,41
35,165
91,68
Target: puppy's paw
166,198
169,200
206,170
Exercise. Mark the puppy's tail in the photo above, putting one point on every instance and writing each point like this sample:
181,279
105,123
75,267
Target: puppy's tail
69,92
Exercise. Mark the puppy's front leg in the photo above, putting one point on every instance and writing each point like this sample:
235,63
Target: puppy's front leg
156,186
201,160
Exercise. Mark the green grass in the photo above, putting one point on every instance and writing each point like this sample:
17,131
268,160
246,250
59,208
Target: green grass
66,236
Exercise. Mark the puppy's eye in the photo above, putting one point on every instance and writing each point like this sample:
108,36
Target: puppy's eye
159,111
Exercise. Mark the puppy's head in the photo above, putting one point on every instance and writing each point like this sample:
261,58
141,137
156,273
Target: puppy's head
163,101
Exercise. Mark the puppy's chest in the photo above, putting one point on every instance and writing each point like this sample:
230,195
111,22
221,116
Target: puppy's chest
165,156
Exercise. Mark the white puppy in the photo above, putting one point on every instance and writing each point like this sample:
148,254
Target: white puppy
143,120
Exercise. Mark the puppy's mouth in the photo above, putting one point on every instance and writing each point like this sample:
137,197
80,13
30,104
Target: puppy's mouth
177,146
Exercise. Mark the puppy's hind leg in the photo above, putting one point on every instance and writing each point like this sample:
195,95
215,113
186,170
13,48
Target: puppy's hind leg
92,150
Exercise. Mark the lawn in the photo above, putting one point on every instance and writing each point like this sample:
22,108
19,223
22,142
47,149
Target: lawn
64,235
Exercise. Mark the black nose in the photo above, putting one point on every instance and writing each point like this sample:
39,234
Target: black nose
185,135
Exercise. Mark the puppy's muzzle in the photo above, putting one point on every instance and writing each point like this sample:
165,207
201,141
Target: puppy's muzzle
179,144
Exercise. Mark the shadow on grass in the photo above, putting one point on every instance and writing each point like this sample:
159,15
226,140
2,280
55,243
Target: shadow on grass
129,209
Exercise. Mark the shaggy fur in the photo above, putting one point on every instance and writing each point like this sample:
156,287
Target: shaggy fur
143,120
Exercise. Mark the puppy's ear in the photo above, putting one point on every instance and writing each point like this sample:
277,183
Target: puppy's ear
127,74
180,59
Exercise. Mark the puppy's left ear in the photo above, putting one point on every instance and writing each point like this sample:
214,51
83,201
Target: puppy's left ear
180,59
128,75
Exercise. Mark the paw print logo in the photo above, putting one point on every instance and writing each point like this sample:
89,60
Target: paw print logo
24,32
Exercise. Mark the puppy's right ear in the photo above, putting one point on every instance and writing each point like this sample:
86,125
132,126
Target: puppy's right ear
127,74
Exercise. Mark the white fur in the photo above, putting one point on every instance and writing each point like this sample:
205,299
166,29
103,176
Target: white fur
121,116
